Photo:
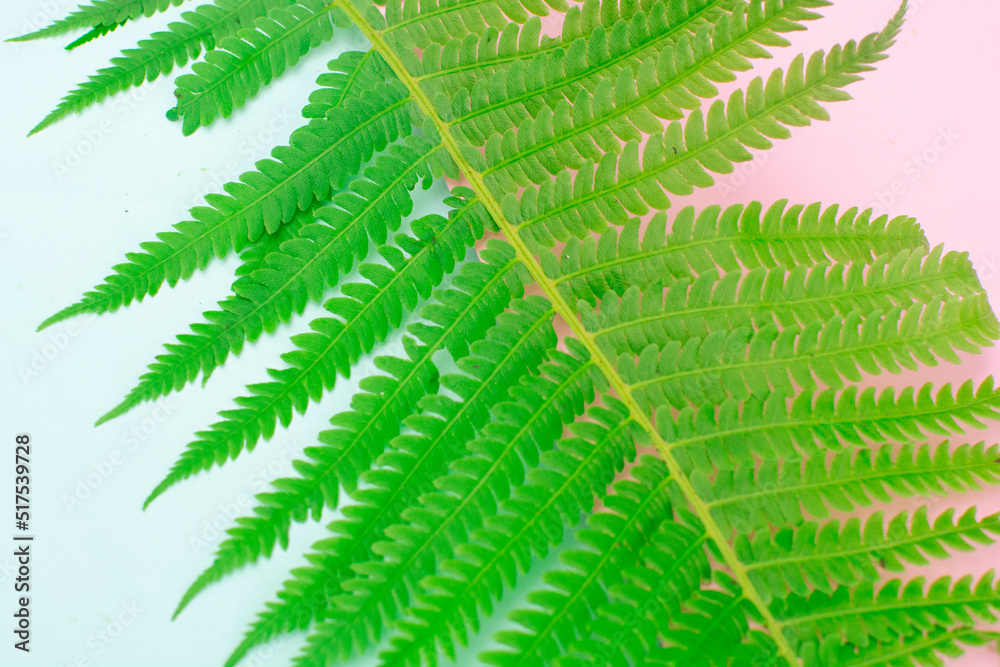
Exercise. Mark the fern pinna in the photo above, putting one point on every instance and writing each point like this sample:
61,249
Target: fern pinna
674,400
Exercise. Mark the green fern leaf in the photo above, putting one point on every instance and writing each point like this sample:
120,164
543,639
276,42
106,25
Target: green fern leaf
527,427
459,316
515,347
320,158
730,433
531,522
865,614
412,25
635,510
236,70
106,14
816,554
290,276
184,40
93,34
364,316
921,649
749,501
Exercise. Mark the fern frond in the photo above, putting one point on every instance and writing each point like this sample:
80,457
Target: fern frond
460,63
527,427
456,318
93,34
669,570
411,25
736,344
364,316
751,500
695,308
748,237
731,433
320,158
623,82
739,363
895,609
466,166
530,522
814,555
924,648
682,159
184,40
236,70
636,508
515,347
709,609
107,14
290,276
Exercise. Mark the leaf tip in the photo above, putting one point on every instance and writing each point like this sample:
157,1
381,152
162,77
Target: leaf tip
53,319
157,492
116,411
23,38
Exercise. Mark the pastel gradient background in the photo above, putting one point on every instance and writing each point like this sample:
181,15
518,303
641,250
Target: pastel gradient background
919,139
